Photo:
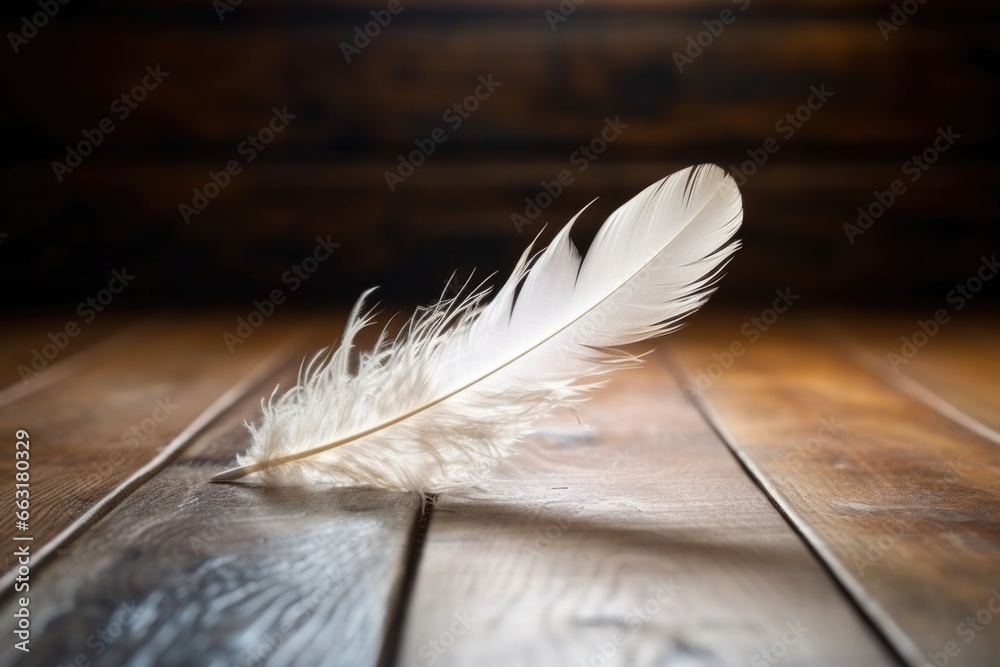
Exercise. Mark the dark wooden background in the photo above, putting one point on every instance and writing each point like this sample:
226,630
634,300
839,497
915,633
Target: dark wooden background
324,175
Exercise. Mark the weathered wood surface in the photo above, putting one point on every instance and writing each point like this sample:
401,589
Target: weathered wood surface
99,431
547,561
221,575
353,120
459,216
532,8
555,88
951,363
900,501
36,350
638,540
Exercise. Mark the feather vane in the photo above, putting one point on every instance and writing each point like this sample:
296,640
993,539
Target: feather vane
435,407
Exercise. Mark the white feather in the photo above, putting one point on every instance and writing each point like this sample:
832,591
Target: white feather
439,405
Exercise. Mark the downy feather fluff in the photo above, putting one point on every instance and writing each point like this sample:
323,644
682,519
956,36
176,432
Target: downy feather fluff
437,406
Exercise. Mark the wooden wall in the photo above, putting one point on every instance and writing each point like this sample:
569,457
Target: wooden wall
324,175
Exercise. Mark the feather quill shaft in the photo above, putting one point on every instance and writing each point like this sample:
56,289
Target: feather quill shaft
439,405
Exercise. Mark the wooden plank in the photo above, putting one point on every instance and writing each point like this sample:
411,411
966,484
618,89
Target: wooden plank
272,189
901,502
951,363
548,560
99,432
22,334
226,574
556,88
462,214
530,7
36,350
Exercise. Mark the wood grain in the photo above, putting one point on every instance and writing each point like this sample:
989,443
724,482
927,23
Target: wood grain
546,562
951,364
353,121
458,216
532,8
556,88
900,501
226,574
36,350
98,432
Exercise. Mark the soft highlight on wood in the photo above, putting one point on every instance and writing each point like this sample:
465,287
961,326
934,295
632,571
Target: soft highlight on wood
195,574
900,501
804,506
639,507
98,427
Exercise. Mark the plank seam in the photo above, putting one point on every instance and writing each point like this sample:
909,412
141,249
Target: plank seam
262,371
392,642
74,363
896,642
867,360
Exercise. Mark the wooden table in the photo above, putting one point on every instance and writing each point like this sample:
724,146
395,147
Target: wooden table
756,494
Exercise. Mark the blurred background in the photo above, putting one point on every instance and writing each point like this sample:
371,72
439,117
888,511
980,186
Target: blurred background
431,136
